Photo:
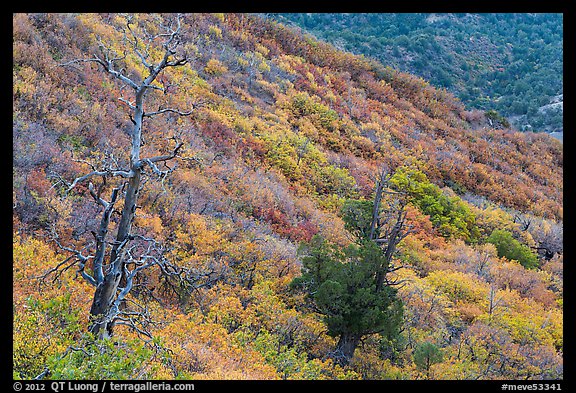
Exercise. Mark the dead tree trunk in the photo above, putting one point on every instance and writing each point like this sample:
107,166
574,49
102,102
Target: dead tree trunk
114,279
387,229
107,289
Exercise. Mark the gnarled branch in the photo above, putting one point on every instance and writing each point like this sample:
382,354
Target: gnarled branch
105,172
167,110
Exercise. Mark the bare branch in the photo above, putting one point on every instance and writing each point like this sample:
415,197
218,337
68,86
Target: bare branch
135,44
71,348
395,268
402,282
86,276
54,269
105,172
131,323
167,110
130,104
166,157
42,374
77,258
176,63
156,88
96,197
108,67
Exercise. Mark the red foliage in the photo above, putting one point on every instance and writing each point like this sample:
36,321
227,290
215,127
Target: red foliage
38,182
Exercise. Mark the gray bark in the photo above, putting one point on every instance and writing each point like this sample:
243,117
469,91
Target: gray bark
346,347
105,294
109,295
385,232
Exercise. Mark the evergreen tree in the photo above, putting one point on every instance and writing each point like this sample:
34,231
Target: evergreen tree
425,355
348,286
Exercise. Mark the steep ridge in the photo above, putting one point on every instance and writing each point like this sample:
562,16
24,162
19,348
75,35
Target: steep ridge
284,129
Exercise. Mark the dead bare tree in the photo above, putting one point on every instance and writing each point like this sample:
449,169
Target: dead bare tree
116,263
388,227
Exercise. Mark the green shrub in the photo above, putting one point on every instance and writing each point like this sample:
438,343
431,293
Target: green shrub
511,248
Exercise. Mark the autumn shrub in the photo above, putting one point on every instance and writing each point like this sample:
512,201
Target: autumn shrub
303,105
102,359
289,362
282,144
215,68
511,248
42,330
459,287
450,215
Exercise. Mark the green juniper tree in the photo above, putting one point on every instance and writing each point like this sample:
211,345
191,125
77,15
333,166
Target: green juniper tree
425,355
349,286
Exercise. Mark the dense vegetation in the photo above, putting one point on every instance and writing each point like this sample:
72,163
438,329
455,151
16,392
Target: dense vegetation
509,63
277,174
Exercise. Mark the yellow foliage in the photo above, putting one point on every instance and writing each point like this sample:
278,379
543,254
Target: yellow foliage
459,286
153,224
215,31
491,217
263,67
262,49
215,68
204,350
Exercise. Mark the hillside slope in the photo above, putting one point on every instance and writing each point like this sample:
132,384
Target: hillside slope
284,130
508,62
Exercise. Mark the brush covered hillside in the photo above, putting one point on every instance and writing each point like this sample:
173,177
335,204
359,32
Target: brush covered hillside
510,63
269,149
